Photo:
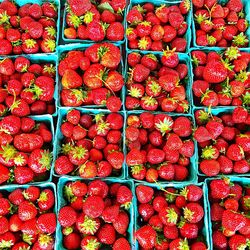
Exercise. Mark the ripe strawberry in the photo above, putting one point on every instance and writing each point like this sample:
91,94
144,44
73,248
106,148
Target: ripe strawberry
121,243
47,223
115,32
27,211
146,236
46,200
106,234
89,207
64,219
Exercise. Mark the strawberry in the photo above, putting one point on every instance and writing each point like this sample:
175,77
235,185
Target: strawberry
121,242
89,206
146,236
46,200
144,194
115,31
106,234
47,223
79,11
64,219
27,211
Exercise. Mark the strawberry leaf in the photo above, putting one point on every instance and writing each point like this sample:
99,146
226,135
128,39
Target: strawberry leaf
105,6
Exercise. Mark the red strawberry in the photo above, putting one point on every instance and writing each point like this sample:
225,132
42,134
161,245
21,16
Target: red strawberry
121,243
95,28
47,223
121,223
144,194
115,32
89,206
146,237
64,219
79,7
27,211
214,76
106,234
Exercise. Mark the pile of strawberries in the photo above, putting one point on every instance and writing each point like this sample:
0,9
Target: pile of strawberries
24,150
96,215
229,212
224,142
95,21
220,25
157,82
92,145
170,218
28,29
159,147
27,218
221,78
153,27
92,77
26,88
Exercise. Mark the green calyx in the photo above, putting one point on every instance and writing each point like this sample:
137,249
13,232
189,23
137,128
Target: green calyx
183,245
102,127
50,69
46,159
89,226
4,18
242,76
143,43
50,44
102,51
68,193
75,20
27,238
154,86
240,40
204,116
232,53
30,43
200,18
8,152
149,100
6,244
135,92
51,31
92,244
211,40
164,126
88,17
246,99
136,169
208,152
79,152
78,94
45,240
172,216
188,214
66,148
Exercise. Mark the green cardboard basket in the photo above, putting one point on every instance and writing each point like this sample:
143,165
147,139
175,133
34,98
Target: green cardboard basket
50,185
184,58
63,49
205,230
62,202
157,3
215,111
41,58
40,2
192,178
246,8
59,136
234,179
